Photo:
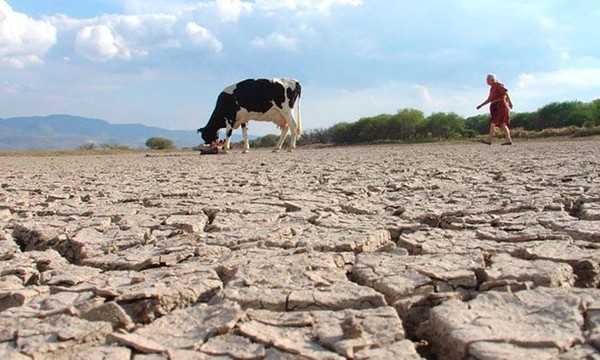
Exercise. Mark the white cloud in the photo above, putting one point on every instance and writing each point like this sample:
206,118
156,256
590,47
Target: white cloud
154,25
225,11
319,6
548,23
100,43
424,95
8,88
558,85
557,82
142,7
130,37
23,40
326,5
276,41
231,10
201,35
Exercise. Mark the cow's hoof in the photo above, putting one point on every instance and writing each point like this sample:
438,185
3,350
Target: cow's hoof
275,151
244,151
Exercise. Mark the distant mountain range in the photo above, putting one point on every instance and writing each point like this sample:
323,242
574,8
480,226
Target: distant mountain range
66,132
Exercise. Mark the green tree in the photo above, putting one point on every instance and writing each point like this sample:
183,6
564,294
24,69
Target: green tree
404,124
479,124
562,114
582,115
369,129
444,125
340,133
526,120
595,111
159,143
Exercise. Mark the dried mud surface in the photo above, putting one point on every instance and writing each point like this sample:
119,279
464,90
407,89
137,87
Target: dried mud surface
436,251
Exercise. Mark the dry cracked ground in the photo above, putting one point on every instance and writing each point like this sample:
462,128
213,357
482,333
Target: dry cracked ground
443,251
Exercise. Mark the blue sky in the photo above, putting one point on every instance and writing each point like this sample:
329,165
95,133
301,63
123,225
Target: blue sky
163,62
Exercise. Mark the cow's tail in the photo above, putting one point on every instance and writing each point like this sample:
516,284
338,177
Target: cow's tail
299,124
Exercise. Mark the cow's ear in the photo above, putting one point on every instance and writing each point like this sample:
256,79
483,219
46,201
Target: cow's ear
200,130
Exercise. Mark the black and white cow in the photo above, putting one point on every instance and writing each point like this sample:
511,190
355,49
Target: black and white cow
256,99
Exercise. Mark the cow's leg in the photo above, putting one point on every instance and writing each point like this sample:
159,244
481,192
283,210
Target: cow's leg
229,132
284,133
293,136
245,135
226,145
289,119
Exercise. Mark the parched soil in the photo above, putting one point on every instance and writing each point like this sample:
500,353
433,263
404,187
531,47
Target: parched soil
437,251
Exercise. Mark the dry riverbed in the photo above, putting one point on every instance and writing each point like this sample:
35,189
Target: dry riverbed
449,251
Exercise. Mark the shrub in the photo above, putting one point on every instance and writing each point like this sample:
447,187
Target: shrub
265,141
87,146
588,131
160,143
113,146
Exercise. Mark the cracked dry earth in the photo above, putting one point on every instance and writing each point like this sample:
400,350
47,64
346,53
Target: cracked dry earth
437,251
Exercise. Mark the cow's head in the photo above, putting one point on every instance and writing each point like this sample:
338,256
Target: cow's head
208,135
226,108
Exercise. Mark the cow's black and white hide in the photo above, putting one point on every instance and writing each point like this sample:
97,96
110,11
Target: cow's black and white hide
256,99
